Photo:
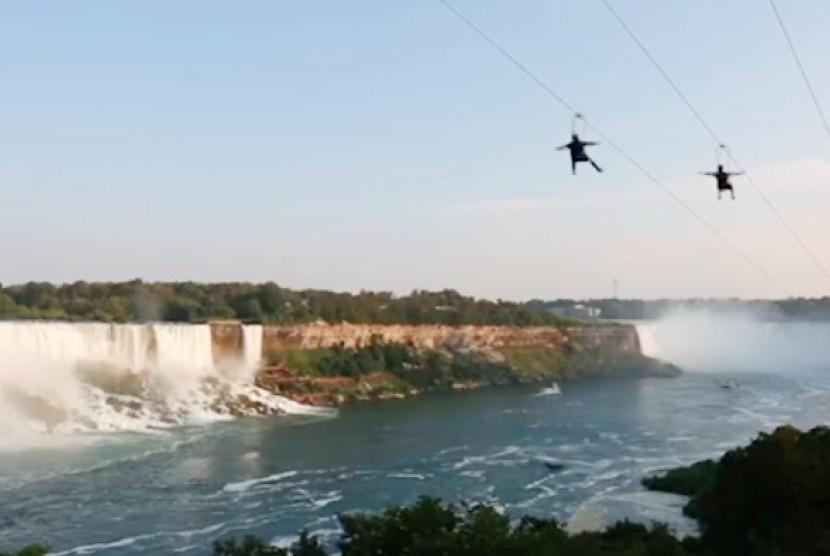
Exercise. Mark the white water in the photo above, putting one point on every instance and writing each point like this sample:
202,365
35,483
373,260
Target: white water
701,341
63,378
252,346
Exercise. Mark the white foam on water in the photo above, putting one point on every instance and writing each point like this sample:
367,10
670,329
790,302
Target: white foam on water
66,378
415,476
128,541
328,498
242,486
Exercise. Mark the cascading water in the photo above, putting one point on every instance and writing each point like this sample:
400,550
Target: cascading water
62,377
648,343
704,341
252,346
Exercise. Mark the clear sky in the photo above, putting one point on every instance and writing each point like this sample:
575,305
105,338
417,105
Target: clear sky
383,145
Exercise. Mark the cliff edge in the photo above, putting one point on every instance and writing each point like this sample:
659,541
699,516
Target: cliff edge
331,364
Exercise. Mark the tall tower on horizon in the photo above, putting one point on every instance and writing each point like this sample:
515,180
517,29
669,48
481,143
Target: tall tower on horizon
615,289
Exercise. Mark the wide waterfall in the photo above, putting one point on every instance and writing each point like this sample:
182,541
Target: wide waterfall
704,341
66,377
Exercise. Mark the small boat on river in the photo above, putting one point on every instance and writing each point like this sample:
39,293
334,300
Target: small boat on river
551,390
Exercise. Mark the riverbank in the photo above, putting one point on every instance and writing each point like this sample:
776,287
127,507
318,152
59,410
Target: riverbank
331,365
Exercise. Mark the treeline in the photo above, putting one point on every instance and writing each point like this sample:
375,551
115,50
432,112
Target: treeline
138,301
810,309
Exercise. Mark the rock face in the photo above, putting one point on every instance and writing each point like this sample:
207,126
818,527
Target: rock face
227,340
322,336
227,337
300,357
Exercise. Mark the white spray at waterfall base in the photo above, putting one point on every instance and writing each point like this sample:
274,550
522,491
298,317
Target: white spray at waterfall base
64,378
701,341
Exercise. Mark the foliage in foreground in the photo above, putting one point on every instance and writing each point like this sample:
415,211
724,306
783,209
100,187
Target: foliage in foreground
769,498
431,527
252,546
31,550
686,481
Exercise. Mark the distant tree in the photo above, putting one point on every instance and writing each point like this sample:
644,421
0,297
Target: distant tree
8,308
178,309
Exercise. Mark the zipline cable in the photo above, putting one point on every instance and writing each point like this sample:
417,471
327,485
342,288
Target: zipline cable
509,56
801,68
544,86
696,113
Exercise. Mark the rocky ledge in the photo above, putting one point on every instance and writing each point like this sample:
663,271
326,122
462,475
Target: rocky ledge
321,364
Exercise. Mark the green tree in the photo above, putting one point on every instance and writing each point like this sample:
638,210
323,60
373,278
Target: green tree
31,550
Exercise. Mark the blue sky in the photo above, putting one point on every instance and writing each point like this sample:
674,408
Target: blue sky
383,145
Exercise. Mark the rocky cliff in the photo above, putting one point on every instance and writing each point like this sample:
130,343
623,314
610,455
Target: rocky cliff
620,338
323,363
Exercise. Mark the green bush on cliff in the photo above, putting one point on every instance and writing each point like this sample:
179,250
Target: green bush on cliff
389,367
419,368
301,361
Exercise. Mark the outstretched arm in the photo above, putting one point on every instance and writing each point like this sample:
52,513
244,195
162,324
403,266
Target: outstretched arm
707,173
735,173
563,147
590,143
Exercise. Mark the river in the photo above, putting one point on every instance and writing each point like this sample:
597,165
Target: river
182,489
179,489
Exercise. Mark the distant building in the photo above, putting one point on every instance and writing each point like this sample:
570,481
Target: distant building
577,311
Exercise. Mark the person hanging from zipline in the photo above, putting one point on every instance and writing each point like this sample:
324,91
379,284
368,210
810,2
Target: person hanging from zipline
578,154
722,178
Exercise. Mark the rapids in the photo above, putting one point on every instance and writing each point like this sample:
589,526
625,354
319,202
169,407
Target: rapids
62,378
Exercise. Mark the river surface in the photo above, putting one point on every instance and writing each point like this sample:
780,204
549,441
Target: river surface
181,490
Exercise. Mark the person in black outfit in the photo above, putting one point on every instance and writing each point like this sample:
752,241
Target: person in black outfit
578,154
722,177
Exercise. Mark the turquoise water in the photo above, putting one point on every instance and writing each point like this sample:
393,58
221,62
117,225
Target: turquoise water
181,490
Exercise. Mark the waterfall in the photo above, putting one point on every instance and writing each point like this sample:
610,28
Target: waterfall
252,346
648,341
67,377
62,343
705,341
184,347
